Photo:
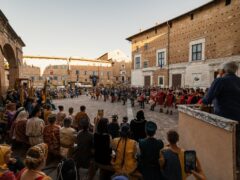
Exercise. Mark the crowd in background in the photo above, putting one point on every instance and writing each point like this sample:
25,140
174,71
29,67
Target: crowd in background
161,98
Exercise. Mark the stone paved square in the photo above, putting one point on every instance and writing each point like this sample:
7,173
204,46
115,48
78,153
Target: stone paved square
164,122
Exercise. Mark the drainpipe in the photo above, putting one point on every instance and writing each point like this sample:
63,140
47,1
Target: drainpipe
168,54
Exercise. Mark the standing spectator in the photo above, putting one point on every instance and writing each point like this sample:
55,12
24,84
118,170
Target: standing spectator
102,148
20,128
35,126
22,116
51,135
9,115
100,115
224,93
60,115
141,99
161,95
113,127
28,105
79,116
137,126
192,98
125,149
67,137
170,98
2,102
46,113
150,153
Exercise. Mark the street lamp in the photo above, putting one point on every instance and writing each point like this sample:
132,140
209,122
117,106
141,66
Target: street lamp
77,73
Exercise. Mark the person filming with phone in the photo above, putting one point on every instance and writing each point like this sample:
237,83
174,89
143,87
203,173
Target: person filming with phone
178,164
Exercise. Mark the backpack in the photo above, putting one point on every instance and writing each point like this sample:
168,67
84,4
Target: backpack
67,170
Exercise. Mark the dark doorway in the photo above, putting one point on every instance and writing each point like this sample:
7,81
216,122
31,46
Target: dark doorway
176,80
216,74
147,81
123,79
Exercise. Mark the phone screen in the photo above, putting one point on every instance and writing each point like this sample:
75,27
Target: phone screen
189,161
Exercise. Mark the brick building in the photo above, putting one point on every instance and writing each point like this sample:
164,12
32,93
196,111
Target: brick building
187,50
61,70
33,73
111,68
60,75
121,66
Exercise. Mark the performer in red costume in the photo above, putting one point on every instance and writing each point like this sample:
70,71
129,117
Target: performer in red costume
169,102
161,99
152,101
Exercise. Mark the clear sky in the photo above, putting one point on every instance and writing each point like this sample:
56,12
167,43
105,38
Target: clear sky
86,28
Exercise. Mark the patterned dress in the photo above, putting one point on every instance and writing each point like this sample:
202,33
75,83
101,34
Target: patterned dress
51,136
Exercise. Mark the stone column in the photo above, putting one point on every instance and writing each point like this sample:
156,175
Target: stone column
13,74
2,75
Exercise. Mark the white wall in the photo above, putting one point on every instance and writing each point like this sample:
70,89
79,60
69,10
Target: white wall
197,70
137,78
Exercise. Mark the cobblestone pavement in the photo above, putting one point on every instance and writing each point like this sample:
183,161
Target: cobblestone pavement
92,106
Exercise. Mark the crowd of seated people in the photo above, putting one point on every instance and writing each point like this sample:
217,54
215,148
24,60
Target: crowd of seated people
114,149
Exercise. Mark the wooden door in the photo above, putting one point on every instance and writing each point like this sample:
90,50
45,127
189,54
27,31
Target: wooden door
147,81
176,80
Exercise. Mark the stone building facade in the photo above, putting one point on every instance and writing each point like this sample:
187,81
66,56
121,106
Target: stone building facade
112,68
187,50
121,66
60,75
60,70
32,73
11,53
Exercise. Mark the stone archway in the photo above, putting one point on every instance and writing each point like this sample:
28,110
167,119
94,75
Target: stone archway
13,66
10,51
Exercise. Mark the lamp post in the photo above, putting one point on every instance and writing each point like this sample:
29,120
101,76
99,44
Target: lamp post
68,70
77,73
98,73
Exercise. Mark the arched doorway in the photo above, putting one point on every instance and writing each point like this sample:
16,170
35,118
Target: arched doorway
10,68
10,53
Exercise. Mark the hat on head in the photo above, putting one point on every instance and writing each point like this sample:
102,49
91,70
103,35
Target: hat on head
151,126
